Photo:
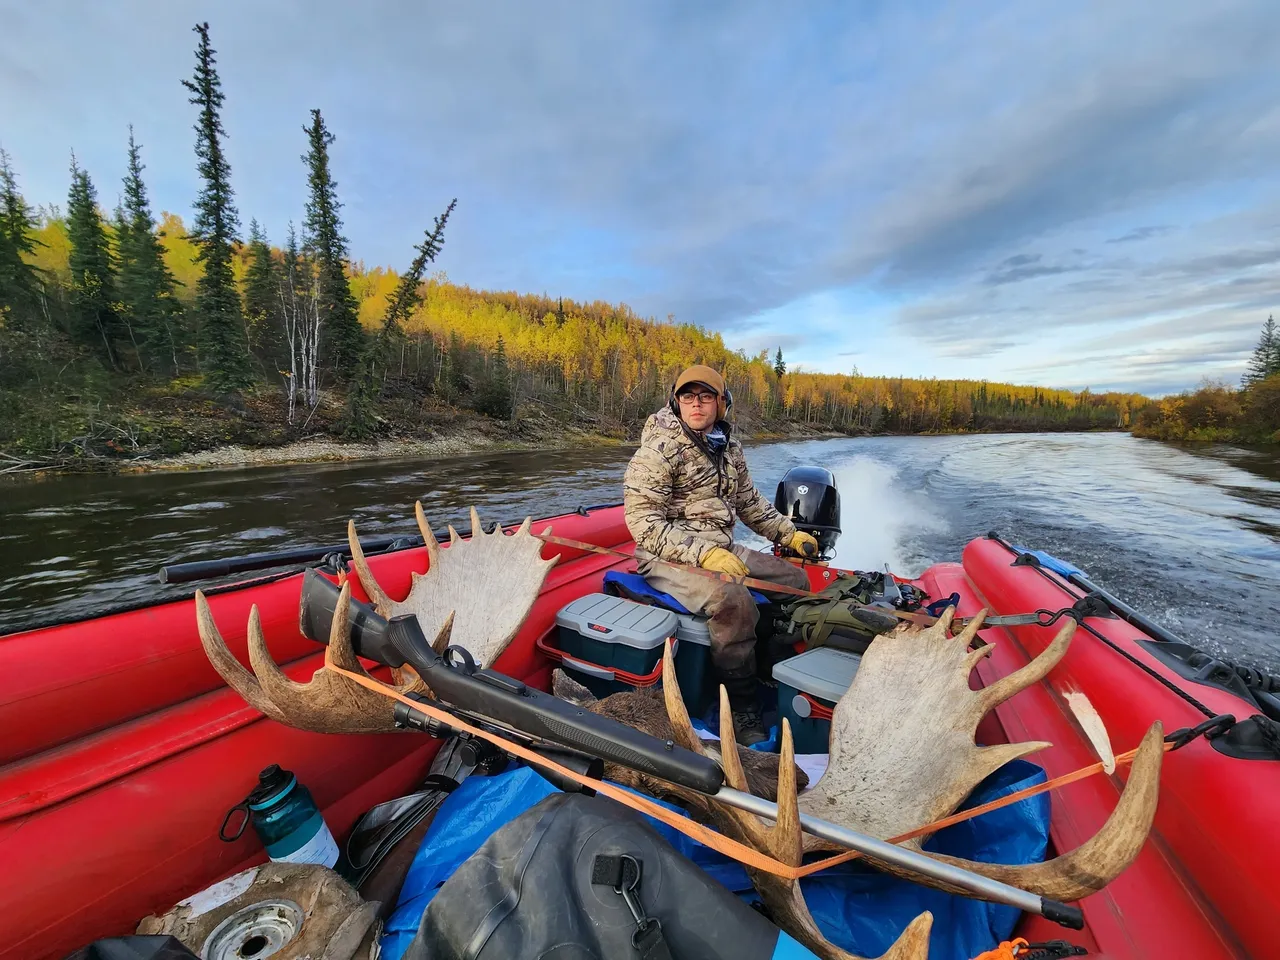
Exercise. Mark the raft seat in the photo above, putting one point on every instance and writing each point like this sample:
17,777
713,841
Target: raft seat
635,587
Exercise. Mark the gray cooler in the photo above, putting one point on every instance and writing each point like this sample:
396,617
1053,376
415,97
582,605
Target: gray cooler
824,673
600,635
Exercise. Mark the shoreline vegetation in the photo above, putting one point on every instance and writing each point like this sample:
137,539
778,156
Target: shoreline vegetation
130,343
1218,413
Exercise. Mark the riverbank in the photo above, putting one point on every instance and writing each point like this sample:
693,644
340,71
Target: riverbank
183,432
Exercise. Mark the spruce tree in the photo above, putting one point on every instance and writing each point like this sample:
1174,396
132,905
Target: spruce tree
146,283
1266,356
262,298
359,417
19,283
779,367
95,320
495,396
223,351
343,339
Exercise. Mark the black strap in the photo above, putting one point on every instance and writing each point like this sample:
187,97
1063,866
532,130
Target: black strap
650,943
1052,950
624,873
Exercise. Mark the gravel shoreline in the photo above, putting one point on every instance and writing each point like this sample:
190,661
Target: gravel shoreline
321,449
317,451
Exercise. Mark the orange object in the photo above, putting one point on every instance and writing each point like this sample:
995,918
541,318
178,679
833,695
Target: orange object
1008,950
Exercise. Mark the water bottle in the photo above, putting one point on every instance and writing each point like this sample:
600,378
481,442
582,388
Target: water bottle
286,820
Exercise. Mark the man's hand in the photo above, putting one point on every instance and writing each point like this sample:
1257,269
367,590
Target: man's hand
803,544
723,561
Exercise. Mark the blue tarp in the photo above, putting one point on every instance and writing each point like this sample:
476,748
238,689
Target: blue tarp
636,584
857,908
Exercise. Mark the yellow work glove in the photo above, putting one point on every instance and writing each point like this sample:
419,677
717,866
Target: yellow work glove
723,561
803,544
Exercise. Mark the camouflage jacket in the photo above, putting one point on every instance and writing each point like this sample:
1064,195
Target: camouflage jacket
680,500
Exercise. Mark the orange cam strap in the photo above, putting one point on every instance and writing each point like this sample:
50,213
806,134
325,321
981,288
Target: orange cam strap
745,855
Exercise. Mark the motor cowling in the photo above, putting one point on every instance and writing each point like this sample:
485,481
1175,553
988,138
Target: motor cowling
808,497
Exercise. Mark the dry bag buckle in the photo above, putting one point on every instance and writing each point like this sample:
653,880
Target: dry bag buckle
623,874
1213,727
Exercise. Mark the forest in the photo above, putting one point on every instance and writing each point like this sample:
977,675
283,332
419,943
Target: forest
127,335
1219,412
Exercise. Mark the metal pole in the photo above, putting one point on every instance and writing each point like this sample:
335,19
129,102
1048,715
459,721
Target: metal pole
983,888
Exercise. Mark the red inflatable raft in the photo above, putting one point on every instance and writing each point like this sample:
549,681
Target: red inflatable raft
122,751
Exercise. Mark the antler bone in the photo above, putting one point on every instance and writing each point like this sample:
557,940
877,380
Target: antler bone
328,702
902,754
460,582
464,578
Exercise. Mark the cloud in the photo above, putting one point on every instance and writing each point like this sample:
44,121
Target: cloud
1024,267
1141,233
726,163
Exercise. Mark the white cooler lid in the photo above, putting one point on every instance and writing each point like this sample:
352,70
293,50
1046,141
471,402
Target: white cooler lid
611,619
823,672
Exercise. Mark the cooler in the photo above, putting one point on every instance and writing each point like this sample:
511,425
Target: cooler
809,685
693,665
610,644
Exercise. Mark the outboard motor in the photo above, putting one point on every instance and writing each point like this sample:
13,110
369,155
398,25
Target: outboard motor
808,497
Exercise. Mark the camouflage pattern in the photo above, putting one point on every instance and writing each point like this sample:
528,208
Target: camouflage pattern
680,501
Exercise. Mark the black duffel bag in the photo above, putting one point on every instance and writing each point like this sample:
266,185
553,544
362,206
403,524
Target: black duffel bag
580,878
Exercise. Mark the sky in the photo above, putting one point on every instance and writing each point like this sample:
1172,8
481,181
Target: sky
1069,195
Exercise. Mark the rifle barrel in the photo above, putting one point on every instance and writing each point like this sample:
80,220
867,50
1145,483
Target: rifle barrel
983,888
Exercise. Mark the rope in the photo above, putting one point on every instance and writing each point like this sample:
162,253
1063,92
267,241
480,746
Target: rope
690,828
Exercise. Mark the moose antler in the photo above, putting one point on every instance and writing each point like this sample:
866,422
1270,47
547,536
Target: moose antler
328,702
460,583
782,897
902,754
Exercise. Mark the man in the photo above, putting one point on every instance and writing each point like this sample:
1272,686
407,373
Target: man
683,491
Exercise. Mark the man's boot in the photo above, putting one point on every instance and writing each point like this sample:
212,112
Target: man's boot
740,685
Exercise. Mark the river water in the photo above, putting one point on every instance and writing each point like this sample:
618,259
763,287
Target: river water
1191,537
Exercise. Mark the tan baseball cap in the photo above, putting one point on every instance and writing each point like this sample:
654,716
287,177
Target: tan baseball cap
700,373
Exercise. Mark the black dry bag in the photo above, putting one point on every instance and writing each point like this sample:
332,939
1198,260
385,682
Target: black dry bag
585,878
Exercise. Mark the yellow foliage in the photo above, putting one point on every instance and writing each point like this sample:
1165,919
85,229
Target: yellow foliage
180,253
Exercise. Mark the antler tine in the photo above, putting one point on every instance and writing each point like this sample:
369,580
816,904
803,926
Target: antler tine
341,653
1001,690
276,686
477,529
454,539
678,714
943,623
972,627
1104,856
428,537
753,830
525,527
229,668
377,596
974,657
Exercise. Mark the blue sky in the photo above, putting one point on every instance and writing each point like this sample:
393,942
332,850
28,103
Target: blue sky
1069,195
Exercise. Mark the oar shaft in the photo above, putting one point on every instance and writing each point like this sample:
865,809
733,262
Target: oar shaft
710,574
982,887
762,585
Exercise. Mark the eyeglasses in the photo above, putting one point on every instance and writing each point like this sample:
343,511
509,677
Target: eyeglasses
700,398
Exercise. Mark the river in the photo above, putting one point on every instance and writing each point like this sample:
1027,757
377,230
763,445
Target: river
1189,536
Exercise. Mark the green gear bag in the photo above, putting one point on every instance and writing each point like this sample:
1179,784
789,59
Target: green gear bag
837,616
